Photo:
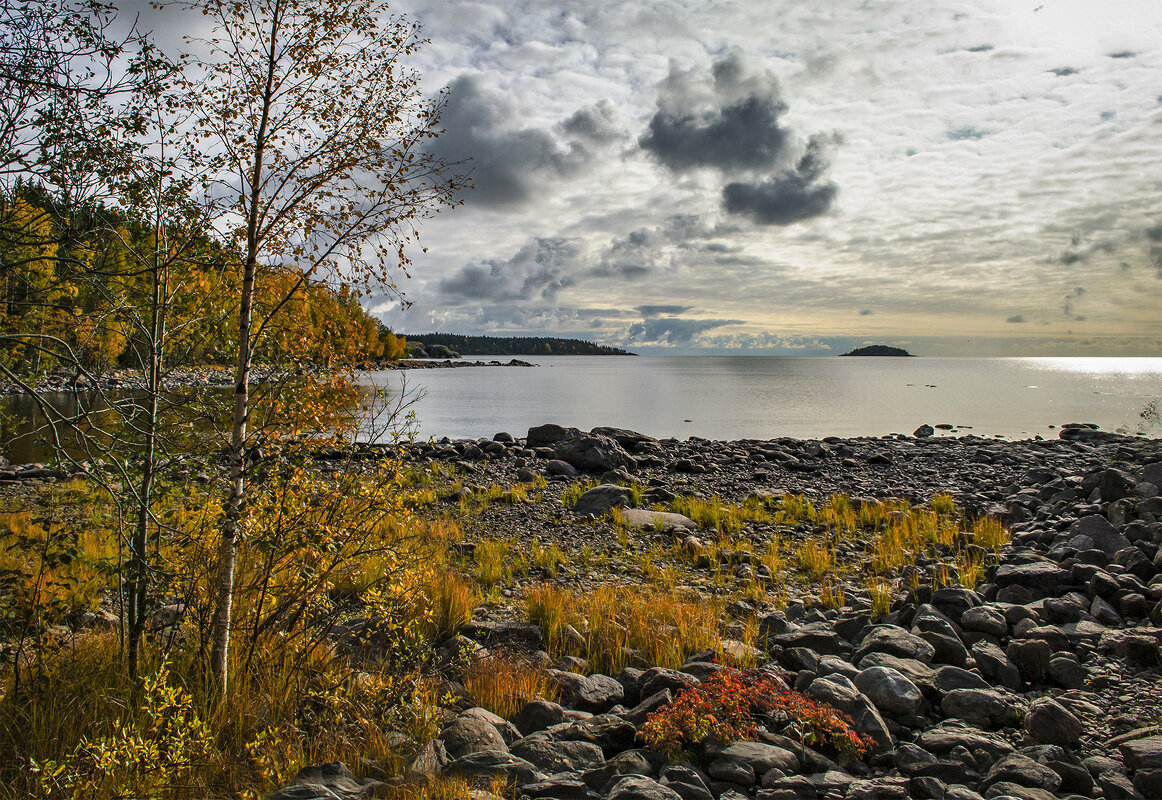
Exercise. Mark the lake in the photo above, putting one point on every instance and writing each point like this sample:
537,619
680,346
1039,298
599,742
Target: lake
734,397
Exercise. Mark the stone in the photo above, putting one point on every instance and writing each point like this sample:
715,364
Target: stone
1031,657
1105,536
1116,786
468,735
657,520
1020,769
889,690
640,787
549,435
640,713
506,729
593,693
490,764
428,763
924,431
1049,722
600,499
506,634
654,679
761,757
539,714
732,770
594,454
909,758
1067,671
896,641
325,782
985,619
996,666
609,732
555,466
952,734
1040,577
551,756
980,707
558,787
1143,753
949,678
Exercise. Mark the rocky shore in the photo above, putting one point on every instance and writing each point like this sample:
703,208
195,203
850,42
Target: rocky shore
1041,683
220,376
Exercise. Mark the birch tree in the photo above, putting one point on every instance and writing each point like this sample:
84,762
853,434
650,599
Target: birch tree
319,127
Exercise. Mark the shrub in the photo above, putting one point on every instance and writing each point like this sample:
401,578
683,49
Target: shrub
730,704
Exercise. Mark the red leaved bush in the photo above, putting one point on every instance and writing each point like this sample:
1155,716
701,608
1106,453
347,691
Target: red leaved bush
729,704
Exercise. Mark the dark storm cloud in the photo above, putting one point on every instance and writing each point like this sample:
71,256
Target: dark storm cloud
539,270
597,124
1063,72
980,48
673,330
1123,54
788,196
866,312
657,311
507,165
645,250
1016,319
730,122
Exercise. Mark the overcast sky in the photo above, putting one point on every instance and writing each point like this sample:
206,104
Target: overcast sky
979,177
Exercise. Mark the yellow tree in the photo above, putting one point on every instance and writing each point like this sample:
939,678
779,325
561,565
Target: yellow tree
320,130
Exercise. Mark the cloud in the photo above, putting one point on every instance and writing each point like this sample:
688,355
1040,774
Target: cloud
766,340
866,312
1063,72
508,165
658,311
788,196
727,121
1016,319
539,270
672,330
966,132
597,125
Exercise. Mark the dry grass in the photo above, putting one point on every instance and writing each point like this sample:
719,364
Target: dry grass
989,533
831,594
880,593
816,558
504,686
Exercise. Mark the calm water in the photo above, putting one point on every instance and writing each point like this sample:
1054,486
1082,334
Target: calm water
722,397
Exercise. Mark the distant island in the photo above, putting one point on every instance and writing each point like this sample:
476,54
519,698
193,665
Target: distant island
451,345
878,350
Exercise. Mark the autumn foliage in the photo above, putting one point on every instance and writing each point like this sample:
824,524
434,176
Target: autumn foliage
731,705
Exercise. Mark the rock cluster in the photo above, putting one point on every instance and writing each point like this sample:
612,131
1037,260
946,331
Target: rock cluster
1042,683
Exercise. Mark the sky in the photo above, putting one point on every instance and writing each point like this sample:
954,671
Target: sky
979,177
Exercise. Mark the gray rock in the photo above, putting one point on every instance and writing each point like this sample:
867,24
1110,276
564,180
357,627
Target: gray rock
896,641
980,707
818,637
654,679
887,788
549,435
657,520
429,762
489,764
593,693
325,782
909,758
555,466
1023,771
949,678
550,756
1031,657
1115,786
594,454
952,734
761,757
1049,722
468,735
889,690
639,713
639,787
506,729
1105,536
539,714
510,634
985,619
600,499
559,787
1040,577
1143,753
611,733
732,770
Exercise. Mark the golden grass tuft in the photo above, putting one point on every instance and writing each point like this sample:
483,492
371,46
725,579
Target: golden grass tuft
880,593
989,533
816,558
504,686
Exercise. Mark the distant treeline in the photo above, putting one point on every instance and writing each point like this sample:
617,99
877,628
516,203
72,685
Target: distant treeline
512,345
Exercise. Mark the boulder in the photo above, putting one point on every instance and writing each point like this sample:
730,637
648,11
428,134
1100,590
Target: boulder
491,764
549,435
539,714
889,690
1049,722
1105,537
550,756
761,757
594,454
325,782
896,641
657,520
468,735
600,499
980,707
640,787
1143,753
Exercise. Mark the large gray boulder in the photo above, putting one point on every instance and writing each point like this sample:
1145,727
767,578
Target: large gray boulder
1049,722
600,499
489,764
549,435
468,735
594,454
640,787
1098,530
889,690
550,756
896,641
980,707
